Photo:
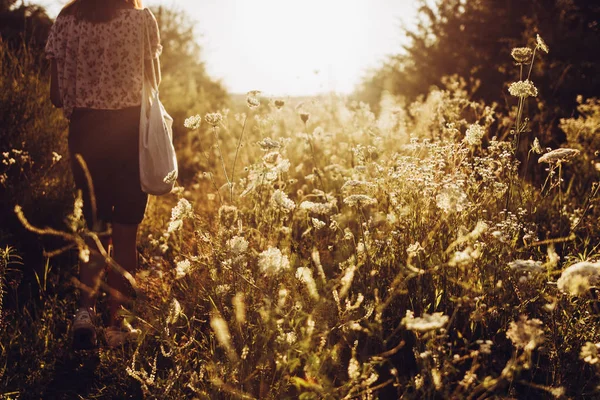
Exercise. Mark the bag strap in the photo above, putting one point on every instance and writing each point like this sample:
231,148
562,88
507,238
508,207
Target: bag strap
147,36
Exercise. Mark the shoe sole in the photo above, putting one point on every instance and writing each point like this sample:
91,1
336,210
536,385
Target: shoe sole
84,339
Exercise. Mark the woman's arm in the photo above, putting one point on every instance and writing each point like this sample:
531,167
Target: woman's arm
54,89
148,70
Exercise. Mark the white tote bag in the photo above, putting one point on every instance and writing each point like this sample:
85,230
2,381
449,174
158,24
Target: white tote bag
158,161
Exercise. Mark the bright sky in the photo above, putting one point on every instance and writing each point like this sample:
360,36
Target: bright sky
285,47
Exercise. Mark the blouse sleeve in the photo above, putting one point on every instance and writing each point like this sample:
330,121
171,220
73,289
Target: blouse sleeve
152,27
50,48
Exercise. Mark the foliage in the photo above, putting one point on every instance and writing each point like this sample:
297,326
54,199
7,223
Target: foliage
326,252
473,38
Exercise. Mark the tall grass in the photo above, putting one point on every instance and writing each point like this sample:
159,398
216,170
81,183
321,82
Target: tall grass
361,256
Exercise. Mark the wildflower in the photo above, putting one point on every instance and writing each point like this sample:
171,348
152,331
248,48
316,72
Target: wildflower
182,268
357,200
304,274
213,119
526,333
558,155
276,162
251,100
317,208
272,262
358,187
193,122
56,157
428,322
521,54
523,89
526,266
304,116
464,257
279,103
171,177
589,353
281,201
182,210
238,245
535,147
268,144
317,223
578,278
474,134
541,44
228,215
451,198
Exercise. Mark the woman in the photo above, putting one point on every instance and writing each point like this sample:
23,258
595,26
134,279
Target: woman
99,50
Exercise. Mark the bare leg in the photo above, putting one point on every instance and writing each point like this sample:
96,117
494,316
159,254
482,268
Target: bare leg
90,275
125,254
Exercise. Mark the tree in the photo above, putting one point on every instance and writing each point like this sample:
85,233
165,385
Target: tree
473,38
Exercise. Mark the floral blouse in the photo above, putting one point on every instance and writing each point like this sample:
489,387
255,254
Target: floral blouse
100,65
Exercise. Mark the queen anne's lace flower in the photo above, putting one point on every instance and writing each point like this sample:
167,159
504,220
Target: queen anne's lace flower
428,322
282,202
526,266
523,89
193,122
558,155
474,134
356,200
579,277
526,333
213,119
238,245
271,262
521,54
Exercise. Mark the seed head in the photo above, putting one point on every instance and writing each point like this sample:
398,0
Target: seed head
541,44
558,156
279,103
522,55
304,116
213,119
252,99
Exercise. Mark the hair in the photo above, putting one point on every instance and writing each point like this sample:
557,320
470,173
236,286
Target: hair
98,10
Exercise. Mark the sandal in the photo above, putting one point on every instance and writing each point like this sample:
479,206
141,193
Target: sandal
116,336
83,329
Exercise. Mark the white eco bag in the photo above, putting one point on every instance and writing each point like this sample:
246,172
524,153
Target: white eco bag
158,161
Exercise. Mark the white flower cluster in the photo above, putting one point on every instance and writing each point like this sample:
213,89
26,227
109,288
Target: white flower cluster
237,245
577,279
523,89
474,134
181,211
193,122
428,322
282,202
526,333
271,262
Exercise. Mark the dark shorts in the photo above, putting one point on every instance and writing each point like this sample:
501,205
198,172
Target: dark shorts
108,142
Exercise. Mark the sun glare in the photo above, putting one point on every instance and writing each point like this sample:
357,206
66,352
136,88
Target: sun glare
285,47
296,48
